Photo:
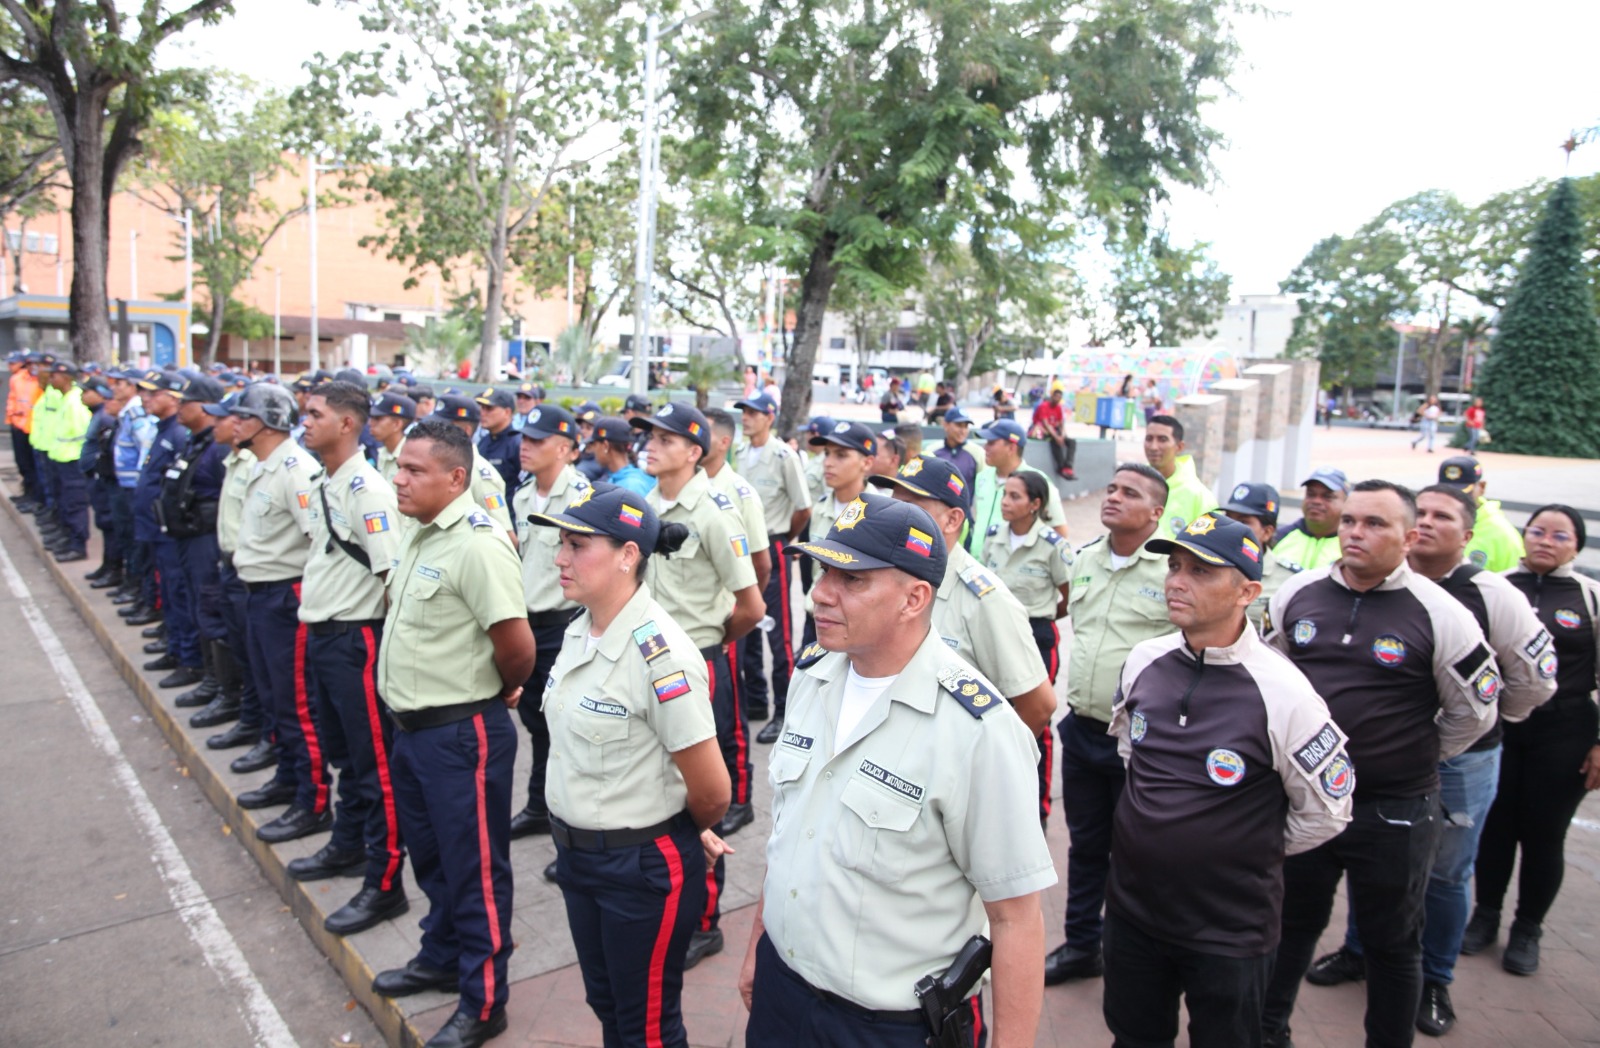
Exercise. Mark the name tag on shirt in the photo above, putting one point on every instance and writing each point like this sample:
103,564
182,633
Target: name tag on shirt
605,709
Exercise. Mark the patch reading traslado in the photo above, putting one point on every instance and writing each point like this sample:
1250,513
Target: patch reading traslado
1313,753
891,780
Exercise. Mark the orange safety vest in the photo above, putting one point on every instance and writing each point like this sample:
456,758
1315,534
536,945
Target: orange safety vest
24,391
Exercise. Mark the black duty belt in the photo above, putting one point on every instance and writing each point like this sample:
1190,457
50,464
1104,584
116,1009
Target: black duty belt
541,620
438,716
875,1014
335,629
262,587
605,840
1099,727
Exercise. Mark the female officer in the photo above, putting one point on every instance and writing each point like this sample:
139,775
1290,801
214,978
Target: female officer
1551,758
1035,563
635,771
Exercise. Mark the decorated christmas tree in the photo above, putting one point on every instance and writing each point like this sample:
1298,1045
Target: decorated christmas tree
1541,383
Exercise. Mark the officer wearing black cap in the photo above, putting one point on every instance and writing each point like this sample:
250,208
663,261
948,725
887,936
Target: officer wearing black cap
182,657
1495,545
1256,507
710,590
613,446
846,450
1234,763
392,415
549,442
587,414
528,396
97,462
637,774
500,443
190,495
911,767
957,427
488,487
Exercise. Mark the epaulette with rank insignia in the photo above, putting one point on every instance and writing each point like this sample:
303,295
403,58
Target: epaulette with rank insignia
971,690
357,483
1052,536
809,655
652,645
994,529
722,501
979,581
479,519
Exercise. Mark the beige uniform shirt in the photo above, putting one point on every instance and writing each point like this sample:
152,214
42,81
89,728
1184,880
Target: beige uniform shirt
1111,612
275,527
779,477
978,617
230,507
1034,571
886,844
362,512
1273,575
813,473
489,490
541,579
618,711
731,484
455,578
389,461
696,584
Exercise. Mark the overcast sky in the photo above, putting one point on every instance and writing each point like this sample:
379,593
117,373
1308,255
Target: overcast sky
1340,107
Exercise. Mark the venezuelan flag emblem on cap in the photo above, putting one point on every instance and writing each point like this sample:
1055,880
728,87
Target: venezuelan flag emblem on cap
630,515
694,429
919,542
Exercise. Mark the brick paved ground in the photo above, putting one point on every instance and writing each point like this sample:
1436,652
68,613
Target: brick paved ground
1559,1006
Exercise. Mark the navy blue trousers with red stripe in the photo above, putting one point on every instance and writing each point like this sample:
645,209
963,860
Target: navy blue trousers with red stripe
235,618
453,787
357,738
632,911
1048,638
278,659
779,640
786,1011
733,739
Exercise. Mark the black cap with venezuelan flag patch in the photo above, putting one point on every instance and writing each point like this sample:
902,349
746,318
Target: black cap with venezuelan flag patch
875,531
1216,540
608,510
930,478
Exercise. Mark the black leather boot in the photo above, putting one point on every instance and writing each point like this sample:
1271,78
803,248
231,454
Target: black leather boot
208,688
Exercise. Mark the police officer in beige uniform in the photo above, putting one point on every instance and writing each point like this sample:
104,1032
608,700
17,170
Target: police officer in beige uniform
458,649
1118,598
902,812
710,590
779,477
274,543
392,415
727,480
549,443
846,450
488,487
1256,507
635,772
355,539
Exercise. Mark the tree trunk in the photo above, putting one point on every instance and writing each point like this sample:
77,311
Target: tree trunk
88,322
815,287
492,306
219,308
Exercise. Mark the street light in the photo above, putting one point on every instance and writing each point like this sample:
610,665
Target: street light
649,162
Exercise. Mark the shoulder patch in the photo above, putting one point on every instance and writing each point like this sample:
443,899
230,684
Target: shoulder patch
486,472
722,501
745,491
479,519
979,581
288,463
1052,536
994,529
971,690
652,645
357,483
810,655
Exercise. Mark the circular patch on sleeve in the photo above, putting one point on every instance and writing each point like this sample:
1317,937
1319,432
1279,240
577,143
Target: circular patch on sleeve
1338,778
1139,727
1225,767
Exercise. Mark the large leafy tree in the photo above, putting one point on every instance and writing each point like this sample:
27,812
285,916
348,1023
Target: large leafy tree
30,161
1351,292
1164,293
95,67
214,157
1503,230
1541,381
968,305
889,126
499,95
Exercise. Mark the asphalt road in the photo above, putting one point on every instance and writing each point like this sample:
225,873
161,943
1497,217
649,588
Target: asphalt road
127,915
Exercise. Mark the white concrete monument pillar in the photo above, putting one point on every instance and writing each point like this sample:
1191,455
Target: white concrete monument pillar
1204,416
357,345
1243,396
1272,419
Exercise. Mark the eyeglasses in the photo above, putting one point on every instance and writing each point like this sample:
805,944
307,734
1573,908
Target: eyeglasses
1560,538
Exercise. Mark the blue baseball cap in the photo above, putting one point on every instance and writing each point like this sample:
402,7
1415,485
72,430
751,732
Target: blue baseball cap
455,408
396,405
955,414
606,509
1005,429
1254,500
1216,540
762,403
819,425
852,435
929,478
1332,479
681,419
497,398
874,532
550,420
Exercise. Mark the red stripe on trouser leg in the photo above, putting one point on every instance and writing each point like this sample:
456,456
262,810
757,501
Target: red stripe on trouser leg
977,1022
491,911
712,896
741,734
1046,761
658,954
391,821
308,726
1054,662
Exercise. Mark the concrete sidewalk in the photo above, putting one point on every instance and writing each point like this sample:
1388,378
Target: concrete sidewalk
1559,1006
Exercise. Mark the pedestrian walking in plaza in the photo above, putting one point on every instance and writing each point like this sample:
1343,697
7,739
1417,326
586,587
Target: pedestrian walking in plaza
1427,419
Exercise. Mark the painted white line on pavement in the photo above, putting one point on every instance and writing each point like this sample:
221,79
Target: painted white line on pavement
200,918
